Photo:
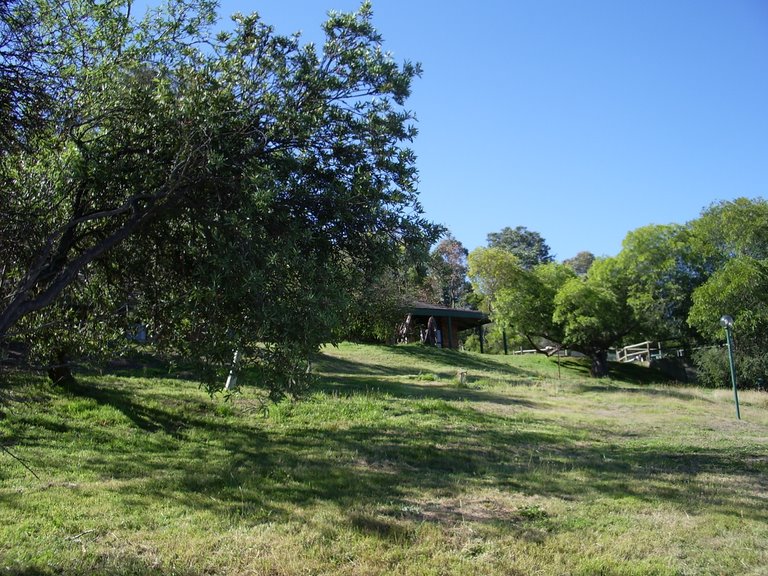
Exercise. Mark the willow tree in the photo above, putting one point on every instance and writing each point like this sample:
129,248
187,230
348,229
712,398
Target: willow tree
224,191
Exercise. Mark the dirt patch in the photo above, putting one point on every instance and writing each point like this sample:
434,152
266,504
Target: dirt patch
488,509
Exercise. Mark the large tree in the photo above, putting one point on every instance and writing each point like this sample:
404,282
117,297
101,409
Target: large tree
731,229
551,307
668,282
664,268
581,263
25,89
228,191
529,246
593,312
447,274
730,239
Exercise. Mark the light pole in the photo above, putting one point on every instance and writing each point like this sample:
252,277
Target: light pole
727,323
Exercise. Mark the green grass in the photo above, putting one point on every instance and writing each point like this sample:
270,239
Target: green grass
390,467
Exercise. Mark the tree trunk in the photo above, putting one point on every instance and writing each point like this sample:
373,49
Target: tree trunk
52,272
60,373
599,367
232,378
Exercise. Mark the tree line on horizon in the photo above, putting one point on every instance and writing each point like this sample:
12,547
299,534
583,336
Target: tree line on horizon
668,283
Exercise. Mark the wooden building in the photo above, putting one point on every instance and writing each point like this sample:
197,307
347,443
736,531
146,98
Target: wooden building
440,325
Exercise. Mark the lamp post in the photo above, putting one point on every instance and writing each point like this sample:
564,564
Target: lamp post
727,323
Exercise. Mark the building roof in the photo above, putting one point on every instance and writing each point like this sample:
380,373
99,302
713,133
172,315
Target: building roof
469,318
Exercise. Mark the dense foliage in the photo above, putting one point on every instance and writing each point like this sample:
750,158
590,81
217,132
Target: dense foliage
446,275
230,191
731,240
529,246
581,263
670,282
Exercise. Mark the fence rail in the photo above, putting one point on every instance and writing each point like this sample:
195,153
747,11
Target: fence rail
641,352
645,352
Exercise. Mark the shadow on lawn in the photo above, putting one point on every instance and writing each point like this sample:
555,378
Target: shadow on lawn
127,565
412,359
625,372
669,392
258,477
351,385
146,418
246,472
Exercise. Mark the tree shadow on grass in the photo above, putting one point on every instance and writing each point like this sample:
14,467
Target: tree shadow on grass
454,358
625,372
128,564
147,418
246,472
350,385
369,467
669,392
412,359
474,443
325,363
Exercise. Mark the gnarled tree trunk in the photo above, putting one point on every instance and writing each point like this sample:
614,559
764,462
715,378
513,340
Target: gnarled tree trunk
60,372
599,368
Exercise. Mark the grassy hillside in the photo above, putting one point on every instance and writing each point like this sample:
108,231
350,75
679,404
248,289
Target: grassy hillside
391,467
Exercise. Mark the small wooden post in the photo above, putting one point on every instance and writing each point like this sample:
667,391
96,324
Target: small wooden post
232,378
480,335
504,339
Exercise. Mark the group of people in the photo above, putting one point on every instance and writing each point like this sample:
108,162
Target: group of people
429,334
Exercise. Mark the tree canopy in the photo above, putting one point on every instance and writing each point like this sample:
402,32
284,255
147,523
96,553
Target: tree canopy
225,191
550,306
669,282
529,246
581,263
447,273
731,239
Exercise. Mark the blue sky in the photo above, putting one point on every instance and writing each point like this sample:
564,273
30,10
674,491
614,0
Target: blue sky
581,120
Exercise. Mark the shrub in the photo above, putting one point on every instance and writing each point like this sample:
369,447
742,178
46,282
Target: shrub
713,370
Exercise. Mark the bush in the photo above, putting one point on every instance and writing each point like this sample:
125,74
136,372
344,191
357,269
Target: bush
713,369
493,341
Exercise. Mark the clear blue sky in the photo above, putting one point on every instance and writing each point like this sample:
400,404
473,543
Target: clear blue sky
581,120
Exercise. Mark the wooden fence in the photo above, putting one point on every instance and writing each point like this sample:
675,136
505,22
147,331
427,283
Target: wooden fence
645,352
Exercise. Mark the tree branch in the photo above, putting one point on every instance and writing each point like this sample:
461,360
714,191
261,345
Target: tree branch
19,460
22,304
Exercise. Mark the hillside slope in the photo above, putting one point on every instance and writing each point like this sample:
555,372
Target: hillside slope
392,466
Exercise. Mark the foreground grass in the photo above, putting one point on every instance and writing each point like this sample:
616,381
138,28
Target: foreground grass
391,467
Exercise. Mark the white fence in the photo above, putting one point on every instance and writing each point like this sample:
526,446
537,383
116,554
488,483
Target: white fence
642,352
645,352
